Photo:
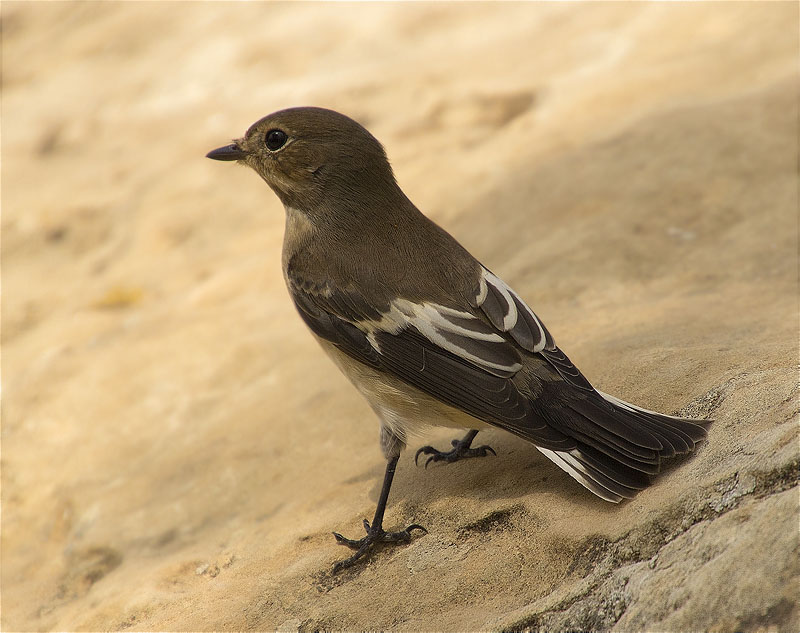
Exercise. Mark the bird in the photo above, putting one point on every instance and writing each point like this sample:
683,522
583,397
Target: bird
424,331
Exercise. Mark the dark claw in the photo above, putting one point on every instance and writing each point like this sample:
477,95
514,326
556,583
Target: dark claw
343,540
373,537
459,452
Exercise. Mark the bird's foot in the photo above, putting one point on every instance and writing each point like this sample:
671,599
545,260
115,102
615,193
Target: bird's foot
461,450
375,536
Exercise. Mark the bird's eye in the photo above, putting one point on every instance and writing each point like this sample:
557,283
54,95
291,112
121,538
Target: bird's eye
275,139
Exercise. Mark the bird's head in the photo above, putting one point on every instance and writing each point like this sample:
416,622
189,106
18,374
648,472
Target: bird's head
312,156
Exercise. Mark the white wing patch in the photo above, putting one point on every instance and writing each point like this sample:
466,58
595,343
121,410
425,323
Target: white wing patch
464,334
509,313
437,316
455,331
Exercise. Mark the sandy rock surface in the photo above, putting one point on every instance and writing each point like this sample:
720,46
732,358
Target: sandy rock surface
176,450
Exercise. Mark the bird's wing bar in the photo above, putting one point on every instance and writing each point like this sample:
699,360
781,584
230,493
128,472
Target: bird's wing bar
455,331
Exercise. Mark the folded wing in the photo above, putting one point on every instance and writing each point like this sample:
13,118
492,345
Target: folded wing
479,360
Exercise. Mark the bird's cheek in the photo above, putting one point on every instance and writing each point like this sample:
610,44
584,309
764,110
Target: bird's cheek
275,176
261,167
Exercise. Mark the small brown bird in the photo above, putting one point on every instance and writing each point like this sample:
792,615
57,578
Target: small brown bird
424,331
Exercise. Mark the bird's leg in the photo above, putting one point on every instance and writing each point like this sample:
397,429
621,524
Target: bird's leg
375,532
461,450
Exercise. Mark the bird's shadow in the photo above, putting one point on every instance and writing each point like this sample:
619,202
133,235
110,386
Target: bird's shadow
518,470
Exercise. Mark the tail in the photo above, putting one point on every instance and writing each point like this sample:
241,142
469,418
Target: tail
620,446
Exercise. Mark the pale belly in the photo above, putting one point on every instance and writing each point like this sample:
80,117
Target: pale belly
404,410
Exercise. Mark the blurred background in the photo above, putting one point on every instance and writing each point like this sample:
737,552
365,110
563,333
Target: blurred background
175,447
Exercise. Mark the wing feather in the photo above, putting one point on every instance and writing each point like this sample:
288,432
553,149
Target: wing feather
448,353
509,313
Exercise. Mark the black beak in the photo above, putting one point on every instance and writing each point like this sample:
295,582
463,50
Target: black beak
229,152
